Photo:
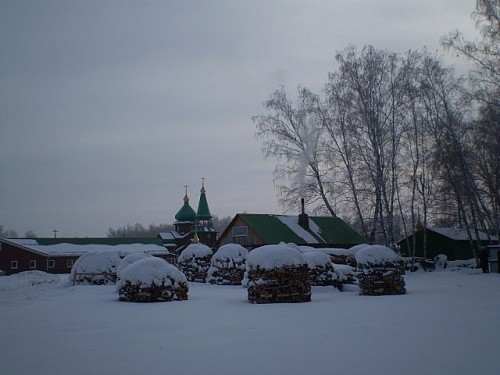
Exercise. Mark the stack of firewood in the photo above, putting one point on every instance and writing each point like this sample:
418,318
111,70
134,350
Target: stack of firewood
228,265
135,292
284,284
380,279
321,275
225,276
195,268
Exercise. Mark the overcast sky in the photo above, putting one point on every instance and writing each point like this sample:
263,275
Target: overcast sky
108,108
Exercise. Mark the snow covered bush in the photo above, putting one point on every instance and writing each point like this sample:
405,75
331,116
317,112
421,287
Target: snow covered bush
277,273
96,268
228,265
320,269
194,262
152,279
380,271
129,259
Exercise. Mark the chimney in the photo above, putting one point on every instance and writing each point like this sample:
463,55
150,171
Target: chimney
303,217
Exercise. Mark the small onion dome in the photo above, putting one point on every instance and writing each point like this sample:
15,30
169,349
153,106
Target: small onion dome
186,213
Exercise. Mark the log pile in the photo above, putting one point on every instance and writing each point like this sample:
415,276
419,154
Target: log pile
322,275
382,279
380,271
194,262
93,278
195,268
133,292
228,264
152,280
285,284
321,271
225,276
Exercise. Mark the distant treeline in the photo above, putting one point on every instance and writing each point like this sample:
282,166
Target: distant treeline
140,231
11,233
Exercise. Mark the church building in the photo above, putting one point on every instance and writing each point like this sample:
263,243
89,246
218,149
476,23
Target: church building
190,225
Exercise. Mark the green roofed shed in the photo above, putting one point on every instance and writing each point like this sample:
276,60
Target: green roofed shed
253,230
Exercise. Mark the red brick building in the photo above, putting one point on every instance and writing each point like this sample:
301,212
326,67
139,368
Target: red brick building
58,255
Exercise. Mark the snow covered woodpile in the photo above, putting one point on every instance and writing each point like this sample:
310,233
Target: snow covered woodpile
351,254
277,273
379,271
345,274
321,271
129,259
96,268
194,262
228,265
152,279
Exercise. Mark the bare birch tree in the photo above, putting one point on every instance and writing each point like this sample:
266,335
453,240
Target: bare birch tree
292,134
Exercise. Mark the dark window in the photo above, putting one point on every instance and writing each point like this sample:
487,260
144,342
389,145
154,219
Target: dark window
51,263
32,264
14,264
240,231
69,263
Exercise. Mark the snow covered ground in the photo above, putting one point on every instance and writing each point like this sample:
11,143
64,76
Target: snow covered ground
447,323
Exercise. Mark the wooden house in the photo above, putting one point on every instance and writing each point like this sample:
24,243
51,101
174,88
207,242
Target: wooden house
452,242
58,255
254,230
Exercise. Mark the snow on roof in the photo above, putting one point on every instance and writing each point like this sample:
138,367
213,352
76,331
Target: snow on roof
376,254
151,270
171,235
275,256
460,234
194,250
67,249
292,223
23,241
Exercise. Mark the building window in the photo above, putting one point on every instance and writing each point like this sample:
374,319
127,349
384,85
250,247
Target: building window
69,263
14,264
51,263
240,231
32,264
240,235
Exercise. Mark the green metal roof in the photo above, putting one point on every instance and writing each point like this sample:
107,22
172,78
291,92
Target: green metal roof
203,212
270,229
329,231
186,213
335,230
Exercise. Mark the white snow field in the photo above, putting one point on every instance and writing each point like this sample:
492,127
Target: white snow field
447,323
